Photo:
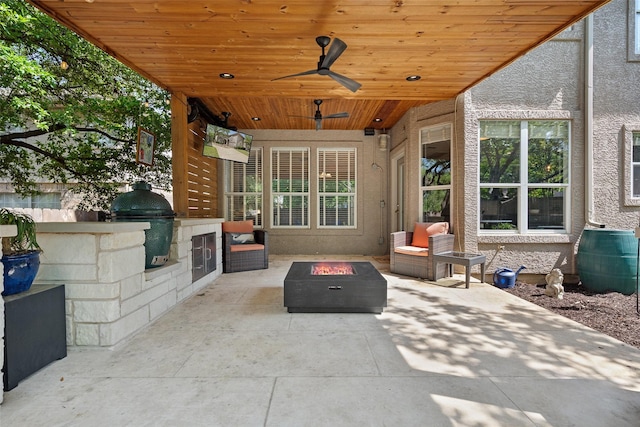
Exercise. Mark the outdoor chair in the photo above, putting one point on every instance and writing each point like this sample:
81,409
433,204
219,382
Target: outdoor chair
410,250
243,247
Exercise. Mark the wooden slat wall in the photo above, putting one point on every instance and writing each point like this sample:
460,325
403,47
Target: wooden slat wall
195,186
203,173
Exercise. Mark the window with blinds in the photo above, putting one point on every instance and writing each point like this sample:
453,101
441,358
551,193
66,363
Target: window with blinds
243,189
290,187
337,188
35,201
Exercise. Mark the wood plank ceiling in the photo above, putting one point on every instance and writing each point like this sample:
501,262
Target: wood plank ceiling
184,46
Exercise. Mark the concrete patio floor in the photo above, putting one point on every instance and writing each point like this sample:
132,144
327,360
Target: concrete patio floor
439,355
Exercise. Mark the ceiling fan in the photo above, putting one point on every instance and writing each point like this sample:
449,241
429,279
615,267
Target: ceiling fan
318,115
325,62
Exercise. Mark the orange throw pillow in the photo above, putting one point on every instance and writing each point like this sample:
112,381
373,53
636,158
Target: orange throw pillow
422,231
238,226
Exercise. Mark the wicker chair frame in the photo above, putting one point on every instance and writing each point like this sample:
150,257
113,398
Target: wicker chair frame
245,260
415,265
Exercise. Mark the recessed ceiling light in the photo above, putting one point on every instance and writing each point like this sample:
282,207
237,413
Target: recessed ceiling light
226,76
377,120
413,78
255,119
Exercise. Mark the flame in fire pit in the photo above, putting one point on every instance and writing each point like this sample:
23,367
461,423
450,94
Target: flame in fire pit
332,269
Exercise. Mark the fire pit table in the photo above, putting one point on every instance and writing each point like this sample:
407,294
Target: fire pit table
334,287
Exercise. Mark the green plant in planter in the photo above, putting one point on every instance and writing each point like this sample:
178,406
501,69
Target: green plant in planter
20,254
25,240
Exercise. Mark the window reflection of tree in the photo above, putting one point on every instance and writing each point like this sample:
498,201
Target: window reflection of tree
436,202
547,144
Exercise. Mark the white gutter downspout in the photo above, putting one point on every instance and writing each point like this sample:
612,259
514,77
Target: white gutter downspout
588,119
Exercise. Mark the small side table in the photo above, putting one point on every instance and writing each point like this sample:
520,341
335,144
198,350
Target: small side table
461,258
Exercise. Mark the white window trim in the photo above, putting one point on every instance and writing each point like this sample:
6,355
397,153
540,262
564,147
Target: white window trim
627,167
524,185
354,194
633,31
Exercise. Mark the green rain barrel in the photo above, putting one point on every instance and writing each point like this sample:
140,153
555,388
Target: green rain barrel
142,205
607,260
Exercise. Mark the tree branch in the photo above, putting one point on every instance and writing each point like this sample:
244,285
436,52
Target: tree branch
10,138
111,137
60,160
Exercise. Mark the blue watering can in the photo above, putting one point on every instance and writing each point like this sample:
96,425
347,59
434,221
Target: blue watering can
505,277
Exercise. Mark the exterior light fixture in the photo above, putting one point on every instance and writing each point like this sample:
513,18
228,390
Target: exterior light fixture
255,119
227,76
377,120
383,141
413,78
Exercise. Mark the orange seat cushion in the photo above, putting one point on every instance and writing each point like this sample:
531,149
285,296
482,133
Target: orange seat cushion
412,250
238,226
422,231
247,247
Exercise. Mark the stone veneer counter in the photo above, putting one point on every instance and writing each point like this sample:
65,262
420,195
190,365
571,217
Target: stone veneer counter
109,294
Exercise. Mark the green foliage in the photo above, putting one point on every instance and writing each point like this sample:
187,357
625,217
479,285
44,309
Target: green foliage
76,125
435,172
503,226
25,239
435,201
547,157
500,160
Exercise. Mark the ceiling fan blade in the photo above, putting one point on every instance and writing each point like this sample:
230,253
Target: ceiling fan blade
304,117
337,115
304,73
350,84
335,50
318,124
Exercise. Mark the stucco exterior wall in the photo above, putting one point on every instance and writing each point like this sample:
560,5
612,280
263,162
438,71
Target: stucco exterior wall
616,110
547,83
370,237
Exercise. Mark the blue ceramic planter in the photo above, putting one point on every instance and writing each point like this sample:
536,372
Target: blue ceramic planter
19,272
